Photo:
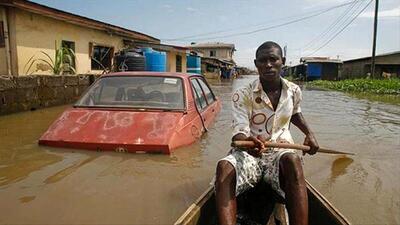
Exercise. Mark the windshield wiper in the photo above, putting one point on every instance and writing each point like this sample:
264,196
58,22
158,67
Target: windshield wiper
129,108
173,110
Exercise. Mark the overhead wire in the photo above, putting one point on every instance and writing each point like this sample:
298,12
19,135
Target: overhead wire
331,26
332,31
341,30
317,13
246,26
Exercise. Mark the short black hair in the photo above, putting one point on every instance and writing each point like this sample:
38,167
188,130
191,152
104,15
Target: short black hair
268,45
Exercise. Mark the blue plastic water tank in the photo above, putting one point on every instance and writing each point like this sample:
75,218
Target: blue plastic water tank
193,64
155,61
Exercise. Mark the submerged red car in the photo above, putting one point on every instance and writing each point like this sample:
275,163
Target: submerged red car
137,112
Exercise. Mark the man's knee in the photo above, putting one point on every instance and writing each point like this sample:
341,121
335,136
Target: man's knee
225,172
291,167
290,160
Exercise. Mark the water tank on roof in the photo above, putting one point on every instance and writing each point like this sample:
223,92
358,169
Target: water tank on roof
130,60
155,60
193,64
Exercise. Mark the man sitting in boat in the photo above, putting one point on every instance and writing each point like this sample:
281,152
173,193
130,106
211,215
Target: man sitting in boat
263,110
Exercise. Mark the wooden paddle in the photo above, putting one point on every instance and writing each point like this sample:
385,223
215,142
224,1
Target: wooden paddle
304,148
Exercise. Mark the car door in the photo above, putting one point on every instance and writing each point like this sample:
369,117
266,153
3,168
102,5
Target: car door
206,102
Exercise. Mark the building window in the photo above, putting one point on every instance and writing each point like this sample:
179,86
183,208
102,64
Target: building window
2,39
101,57
178,63
69,45
213,53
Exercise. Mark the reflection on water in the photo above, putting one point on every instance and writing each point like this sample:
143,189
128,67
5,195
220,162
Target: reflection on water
391,99
68,170
23,166
117,188
339,167
27,199
19,153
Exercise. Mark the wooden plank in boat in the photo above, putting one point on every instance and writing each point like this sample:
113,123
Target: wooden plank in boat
192,215
319,205
321,211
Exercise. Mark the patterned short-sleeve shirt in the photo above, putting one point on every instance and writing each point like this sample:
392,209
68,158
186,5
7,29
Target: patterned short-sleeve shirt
253,113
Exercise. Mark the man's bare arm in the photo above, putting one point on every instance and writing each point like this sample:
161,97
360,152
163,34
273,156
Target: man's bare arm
310,140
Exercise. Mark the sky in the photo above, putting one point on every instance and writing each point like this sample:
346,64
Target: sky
326,28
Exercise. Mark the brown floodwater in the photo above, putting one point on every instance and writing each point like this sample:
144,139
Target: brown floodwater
43,185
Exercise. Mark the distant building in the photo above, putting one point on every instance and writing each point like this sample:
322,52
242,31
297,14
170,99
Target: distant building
315,68
215,50
385,65
217,59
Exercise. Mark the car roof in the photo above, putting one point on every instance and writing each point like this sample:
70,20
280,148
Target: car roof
147,73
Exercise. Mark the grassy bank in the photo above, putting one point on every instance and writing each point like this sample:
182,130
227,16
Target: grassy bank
390,87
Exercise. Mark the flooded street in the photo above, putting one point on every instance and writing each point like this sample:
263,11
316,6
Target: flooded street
43,185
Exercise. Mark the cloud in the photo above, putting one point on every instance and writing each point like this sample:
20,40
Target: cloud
326,1
222,18
311,4
251,50
168,8
245,57
391,13
190,9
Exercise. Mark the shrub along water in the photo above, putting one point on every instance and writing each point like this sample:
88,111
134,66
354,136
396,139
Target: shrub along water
387,86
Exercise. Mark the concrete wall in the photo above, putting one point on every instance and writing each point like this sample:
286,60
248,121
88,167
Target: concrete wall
220,52
171,61
35,33
33,92
3,62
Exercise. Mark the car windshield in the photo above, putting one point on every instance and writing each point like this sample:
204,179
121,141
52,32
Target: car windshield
142,92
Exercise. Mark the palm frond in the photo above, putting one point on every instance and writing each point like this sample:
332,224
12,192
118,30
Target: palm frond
63,60
29,60
48,56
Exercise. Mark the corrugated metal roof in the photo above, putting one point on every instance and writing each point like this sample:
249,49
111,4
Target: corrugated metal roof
323,61
75,19
212,45
319,59
224,61
162,47
369,57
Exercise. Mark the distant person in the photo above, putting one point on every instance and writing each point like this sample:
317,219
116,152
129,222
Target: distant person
263,110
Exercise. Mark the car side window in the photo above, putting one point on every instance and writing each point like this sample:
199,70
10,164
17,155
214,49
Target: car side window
207,91
199,95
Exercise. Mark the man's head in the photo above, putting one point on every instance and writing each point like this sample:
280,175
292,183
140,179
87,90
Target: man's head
269,61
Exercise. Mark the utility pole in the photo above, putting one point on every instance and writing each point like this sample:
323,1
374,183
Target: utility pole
285,51
374,39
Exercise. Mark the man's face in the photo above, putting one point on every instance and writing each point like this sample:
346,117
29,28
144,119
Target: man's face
269,64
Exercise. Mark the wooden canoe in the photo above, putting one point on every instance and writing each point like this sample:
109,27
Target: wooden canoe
321,211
